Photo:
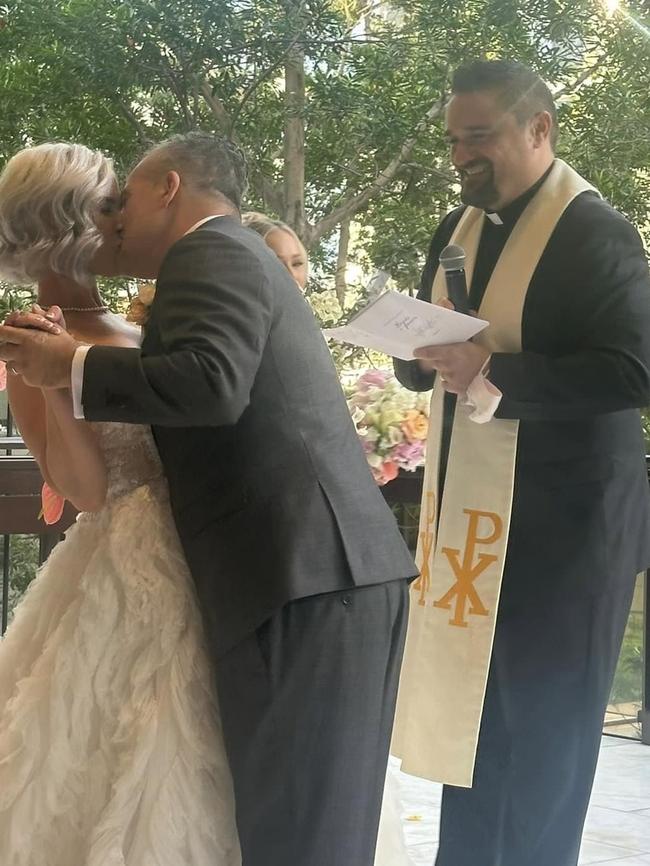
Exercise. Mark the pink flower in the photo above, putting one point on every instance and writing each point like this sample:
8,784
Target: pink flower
391,424
52,505
387,472
373,379
408,455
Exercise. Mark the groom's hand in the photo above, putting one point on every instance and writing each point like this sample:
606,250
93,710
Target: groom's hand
42,358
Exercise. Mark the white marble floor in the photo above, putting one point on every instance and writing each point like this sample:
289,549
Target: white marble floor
617,832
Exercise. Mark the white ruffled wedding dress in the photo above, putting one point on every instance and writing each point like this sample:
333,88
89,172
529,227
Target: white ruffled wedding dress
110,745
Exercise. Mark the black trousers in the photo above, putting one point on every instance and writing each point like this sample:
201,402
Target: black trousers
307,705
548,687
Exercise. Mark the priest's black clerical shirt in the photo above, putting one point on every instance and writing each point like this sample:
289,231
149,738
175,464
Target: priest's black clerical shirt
585,332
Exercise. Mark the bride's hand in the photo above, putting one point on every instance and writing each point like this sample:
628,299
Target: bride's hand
51,320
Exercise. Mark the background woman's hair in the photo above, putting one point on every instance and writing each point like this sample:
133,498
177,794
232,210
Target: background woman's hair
263,225
50,196
258,222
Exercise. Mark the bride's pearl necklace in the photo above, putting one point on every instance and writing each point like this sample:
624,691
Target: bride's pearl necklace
101,308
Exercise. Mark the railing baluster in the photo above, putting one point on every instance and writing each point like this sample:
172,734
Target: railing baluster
46,544
6,559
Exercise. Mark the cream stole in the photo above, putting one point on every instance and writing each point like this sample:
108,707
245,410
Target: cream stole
454,602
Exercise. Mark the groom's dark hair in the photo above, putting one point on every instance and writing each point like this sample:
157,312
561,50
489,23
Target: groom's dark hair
521,90
210,163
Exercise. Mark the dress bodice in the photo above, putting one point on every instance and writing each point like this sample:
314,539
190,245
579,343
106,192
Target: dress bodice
131,456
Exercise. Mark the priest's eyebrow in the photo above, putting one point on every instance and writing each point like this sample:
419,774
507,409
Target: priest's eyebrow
480,130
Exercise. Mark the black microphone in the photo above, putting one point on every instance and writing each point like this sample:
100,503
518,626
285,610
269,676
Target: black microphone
452,261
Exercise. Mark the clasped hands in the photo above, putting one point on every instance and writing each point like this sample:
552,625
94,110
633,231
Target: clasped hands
36,346
457,364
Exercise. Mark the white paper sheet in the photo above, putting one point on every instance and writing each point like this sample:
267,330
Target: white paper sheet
398,324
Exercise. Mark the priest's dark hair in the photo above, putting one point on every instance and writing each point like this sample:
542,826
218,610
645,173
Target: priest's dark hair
520,88
211,164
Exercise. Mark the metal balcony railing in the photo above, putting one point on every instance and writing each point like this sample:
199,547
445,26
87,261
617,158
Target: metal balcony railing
20,506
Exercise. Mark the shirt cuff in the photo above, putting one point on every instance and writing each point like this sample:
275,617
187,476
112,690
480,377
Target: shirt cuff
77,381
482,396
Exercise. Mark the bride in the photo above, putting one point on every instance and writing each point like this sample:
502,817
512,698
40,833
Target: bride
110,745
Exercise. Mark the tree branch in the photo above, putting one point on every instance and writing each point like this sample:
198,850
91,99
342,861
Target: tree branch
356,202
580,80
269,192
445,176
140,130
218,110
279,63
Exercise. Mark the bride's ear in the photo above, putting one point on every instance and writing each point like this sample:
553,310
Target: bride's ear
172,185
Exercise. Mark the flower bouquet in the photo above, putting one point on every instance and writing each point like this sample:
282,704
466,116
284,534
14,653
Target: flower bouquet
392,423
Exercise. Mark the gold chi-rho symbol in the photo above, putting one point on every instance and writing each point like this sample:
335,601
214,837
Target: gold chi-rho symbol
423,584
463,594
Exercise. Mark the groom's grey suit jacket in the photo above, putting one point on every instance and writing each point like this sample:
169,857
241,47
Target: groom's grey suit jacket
269,485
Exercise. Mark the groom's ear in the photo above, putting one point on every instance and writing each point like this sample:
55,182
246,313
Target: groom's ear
172,185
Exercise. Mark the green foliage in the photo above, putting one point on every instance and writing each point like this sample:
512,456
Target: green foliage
23,559
628,681
14,298
645,418
119,75
115,292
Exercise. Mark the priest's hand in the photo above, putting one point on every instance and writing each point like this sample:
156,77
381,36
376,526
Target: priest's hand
42,358
457,364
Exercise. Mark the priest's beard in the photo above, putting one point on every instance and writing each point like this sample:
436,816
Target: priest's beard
479,190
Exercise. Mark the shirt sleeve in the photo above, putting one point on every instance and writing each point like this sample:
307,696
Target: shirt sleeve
77,380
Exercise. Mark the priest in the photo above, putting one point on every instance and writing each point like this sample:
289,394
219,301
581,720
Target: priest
534,524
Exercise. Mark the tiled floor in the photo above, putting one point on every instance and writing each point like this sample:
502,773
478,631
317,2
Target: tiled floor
617,832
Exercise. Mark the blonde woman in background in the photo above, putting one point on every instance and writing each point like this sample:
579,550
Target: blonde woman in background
284,242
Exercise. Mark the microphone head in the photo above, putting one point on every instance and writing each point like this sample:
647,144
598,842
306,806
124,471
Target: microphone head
452,258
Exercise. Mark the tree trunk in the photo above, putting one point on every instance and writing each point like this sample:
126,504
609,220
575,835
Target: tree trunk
340,284
294,140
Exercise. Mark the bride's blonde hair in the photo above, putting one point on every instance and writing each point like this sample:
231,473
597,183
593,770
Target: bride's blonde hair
49,199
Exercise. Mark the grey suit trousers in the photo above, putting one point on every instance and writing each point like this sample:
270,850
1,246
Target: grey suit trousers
307,703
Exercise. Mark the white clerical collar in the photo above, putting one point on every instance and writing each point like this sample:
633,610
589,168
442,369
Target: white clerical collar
204,220
494,217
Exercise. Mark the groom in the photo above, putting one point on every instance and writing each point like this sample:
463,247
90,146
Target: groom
300,570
